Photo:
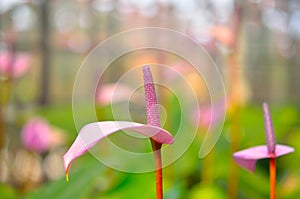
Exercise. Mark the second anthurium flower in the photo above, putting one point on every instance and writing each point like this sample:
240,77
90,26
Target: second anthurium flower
91,133
247,158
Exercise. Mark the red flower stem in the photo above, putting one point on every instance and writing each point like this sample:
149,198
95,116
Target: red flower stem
158,168
272,178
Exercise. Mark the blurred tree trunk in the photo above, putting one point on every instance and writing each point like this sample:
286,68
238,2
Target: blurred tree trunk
294,74
45,52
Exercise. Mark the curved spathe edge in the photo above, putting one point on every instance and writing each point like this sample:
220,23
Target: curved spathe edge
92,133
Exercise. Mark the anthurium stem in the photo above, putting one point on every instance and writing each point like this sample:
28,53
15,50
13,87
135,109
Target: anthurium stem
158,169
272,178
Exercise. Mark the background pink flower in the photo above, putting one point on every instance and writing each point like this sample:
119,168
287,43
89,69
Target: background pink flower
36,135
206,117
110,93
14,66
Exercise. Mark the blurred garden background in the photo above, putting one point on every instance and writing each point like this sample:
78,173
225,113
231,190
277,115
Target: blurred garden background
255,44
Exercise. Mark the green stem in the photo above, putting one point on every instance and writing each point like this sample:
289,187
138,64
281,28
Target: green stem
235,136
5,93
2,129
207,172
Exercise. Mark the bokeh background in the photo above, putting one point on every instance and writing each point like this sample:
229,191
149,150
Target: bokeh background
255,44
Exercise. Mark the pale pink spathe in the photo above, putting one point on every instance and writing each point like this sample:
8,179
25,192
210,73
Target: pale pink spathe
92,133
247,158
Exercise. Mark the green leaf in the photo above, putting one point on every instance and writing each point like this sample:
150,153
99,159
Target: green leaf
206,191
80,183
7,192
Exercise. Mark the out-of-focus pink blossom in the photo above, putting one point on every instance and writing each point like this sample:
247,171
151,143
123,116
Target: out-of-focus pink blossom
180,68
37,135
224,35
205,116
112,93
14,66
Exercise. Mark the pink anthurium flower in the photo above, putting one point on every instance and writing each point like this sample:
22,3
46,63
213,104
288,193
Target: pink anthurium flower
247,158
14,66
91,133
